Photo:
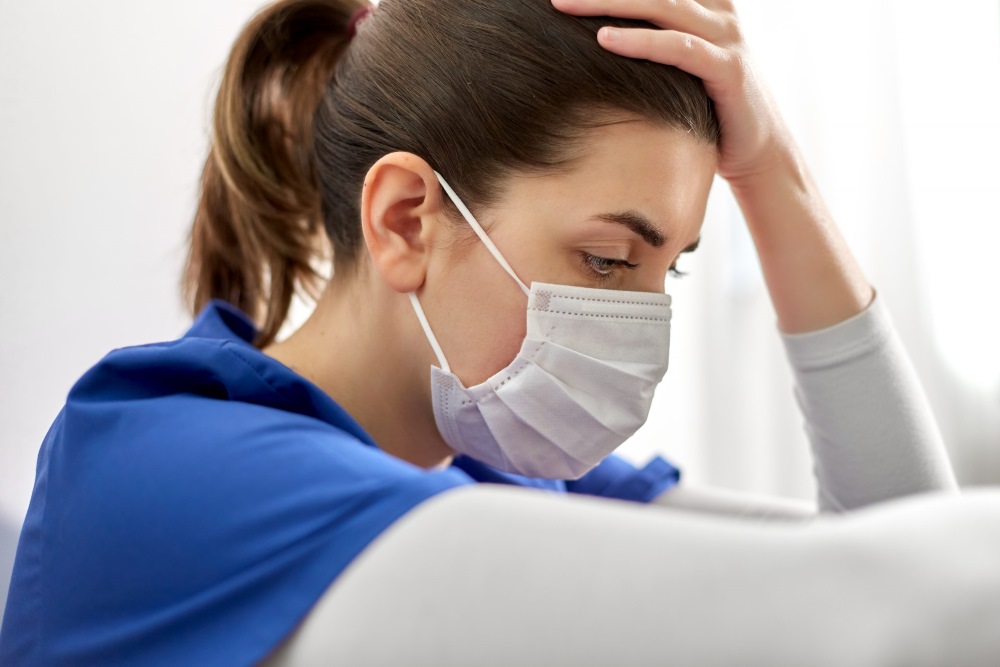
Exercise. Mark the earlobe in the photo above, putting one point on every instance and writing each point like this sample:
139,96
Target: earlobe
399,205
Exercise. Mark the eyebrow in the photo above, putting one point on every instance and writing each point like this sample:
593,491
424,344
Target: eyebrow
638,223
642,226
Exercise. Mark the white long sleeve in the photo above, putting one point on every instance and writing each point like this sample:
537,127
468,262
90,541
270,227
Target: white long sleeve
872,433
496,575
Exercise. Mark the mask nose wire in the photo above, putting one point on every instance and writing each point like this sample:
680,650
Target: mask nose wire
481,233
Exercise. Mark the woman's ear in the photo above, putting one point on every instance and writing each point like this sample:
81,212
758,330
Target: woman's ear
401,206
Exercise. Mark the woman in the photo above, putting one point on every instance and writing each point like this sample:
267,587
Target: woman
504,188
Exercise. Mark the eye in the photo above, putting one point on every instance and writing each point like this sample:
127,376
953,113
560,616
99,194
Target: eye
676,273
603,268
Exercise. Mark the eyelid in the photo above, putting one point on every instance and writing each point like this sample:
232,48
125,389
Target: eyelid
615,251
610,261
692,247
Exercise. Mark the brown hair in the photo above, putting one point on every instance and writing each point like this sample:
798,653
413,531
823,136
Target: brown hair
480,90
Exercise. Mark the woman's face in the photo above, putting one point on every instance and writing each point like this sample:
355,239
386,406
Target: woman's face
617,219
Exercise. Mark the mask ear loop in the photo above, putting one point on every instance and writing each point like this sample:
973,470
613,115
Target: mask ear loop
431,338
481,233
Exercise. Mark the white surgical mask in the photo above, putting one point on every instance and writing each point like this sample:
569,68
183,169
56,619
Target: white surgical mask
581,384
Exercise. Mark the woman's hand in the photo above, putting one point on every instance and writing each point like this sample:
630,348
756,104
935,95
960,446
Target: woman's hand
703,38
812,276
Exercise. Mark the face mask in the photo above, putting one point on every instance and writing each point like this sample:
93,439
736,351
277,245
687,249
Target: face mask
581,384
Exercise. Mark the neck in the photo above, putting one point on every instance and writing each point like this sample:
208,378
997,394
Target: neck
363,347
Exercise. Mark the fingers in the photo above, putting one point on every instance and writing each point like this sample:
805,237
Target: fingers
713,21
711,63
719,5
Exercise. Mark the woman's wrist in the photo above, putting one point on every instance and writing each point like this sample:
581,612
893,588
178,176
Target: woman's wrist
812,276
780,163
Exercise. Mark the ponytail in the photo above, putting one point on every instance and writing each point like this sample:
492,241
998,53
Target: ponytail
258,225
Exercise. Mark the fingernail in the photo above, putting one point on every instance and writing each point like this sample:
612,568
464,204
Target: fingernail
611,34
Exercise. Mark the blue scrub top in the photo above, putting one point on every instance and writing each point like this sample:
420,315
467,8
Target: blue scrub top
194,498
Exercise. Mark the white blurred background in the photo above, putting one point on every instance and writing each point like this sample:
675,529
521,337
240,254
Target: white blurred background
104,110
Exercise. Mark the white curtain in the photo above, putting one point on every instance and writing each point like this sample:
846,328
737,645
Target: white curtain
896,106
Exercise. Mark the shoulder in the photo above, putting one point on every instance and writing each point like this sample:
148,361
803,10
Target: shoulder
201,423
194,500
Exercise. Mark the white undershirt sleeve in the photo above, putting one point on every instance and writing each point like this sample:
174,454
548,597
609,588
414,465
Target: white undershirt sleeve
871,429
872,433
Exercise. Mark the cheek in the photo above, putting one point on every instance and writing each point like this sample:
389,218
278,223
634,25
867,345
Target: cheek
478,315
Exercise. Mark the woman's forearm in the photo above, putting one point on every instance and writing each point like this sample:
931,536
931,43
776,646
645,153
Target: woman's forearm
813,278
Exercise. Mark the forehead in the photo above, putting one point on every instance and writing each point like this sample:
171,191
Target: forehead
648,163
662,172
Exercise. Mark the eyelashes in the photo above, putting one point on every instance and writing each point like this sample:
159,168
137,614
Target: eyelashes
604,266
604,269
